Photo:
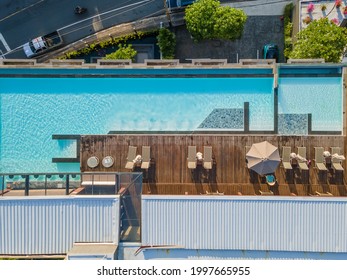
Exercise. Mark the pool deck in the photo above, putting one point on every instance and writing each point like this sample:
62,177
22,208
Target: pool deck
169,174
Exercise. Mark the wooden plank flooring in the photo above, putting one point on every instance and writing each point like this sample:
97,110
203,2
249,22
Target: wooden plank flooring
169,174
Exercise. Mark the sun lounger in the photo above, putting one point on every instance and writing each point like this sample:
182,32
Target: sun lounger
146,157
131,157
191,157
336,162
319,158
302,162
207,157
286,158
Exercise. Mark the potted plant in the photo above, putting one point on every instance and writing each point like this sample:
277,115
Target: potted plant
310,7
335,21
307,20
338,3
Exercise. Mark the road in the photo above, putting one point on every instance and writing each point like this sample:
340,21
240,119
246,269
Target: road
22,20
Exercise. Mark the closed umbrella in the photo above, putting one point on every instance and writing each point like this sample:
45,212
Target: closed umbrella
263,158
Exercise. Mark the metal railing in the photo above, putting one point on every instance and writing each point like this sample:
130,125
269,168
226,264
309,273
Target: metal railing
93,183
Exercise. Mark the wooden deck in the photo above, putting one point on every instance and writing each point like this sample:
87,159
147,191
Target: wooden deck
169,174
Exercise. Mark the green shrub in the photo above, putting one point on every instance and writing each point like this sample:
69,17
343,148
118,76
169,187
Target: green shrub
207,19
106,44
167,43
288,30
288,11
123,52
321,39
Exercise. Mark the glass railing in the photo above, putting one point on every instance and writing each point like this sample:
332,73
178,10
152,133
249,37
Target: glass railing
87,183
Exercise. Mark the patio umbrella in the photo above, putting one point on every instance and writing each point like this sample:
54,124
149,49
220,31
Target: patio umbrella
263,158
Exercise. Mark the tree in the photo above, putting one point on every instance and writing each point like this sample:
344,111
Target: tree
229,23
288,29
123,52
207,19
321,39
167,43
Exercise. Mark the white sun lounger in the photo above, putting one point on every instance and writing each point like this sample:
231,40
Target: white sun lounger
146,157
319,158
207,157
130,158
191,157
302,154
286,157
336,162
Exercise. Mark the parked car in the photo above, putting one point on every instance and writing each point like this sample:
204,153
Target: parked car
42,44
270,51
178,3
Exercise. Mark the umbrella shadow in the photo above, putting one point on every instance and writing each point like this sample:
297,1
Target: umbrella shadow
255,181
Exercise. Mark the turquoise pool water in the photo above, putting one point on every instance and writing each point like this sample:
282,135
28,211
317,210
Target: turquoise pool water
32,109
319,96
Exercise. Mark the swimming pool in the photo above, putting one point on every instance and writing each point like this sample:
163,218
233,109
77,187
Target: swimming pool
319,96
35,107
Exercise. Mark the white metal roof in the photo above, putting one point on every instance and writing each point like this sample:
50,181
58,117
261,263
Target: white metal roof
310,224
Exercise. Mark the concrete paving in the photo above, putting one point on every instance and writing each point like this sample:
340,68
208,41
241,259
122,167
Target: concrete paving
259,30
264,25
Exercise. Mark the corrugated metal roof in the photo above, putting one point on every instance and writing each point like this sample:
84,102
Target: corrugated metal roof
308,224
50,225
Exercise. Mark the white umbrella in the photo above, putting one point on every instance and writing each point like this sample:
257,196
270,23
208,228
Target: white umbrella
263,158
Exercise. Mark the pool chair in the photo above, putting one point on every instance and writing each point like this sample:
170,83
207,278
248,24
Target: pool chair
131,157
107,161
208,161
286,158
336,158
191,157
146,157
93,162
319,159
301,158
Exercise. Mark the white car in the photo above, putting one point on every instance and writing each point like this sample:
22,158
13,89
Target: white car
34,47
42,44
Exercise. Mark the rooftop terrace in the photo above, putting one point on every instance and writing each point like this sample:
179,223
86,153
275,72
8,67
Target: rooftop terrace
168,172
